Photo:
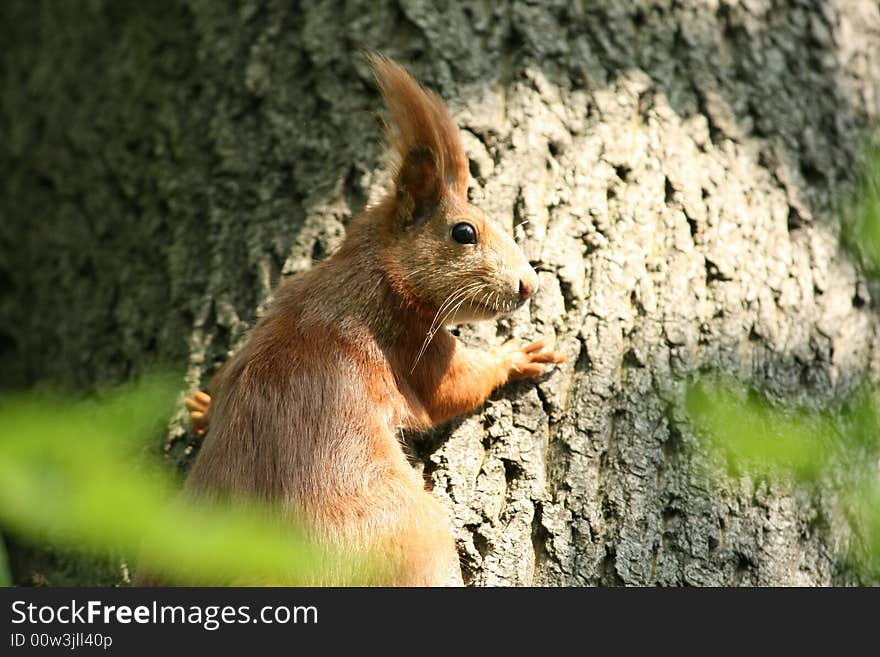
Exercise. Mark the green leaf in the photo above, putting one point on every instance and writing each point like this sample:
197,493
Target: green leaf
67,477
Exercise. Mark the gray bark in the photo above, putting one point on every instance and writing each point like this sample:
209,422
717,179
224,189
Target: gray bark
670,168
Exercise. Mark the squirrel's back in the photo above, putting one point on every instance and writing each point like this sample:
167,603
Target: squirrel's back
299,399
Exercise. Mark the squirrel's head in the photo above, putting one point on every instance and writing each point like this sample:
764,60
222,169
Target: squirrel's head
439,250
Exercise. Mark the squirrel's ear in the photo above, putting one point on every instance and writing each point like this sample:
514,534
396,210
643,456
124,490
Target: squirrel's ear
418,185
423,134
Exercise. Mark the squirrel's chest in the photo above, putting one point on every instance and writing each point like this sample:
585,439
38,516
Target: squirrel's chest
402,405
388,392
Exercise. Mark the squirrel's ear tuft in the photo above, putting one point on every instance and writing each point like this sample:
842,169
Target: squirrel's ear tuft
419,185
423,135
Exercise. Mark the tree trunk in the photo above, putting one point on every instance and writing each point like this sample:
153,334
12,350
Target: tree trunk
670,170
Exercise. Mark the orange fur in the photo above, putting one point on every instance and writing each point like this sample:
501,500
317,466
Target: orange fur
307,413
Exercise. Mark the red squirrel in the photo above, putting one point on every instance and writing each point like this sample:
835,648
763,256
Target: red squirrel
307,413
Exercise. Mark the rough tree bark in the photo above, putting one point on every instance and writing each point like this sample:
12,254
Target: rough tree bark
669,168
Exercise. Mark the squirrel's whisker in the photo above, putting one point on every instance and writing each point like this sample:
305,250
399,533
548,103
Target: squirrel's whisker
435,324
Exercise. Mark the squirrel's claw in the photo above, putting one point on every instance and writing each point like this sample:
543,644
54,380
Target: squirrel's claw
529,359
199,406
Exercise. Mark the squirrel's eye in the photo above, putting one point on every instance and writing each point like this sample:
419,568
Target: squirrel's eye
464,233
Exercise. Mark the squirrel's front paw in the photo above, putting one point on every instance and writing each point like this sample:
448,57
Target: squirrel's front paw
528,359
199,406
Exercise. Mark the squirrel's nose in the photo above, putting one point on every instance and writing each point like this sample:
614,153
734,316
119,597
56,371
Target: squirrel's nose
528,285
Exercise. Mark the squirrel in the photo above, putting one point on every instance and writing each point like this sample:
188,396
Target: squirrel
307,413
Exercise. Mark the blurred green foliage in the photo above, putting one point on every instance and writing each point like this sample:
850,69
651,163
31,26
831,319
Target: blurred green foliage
861,215
757,437
73,474
5,573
